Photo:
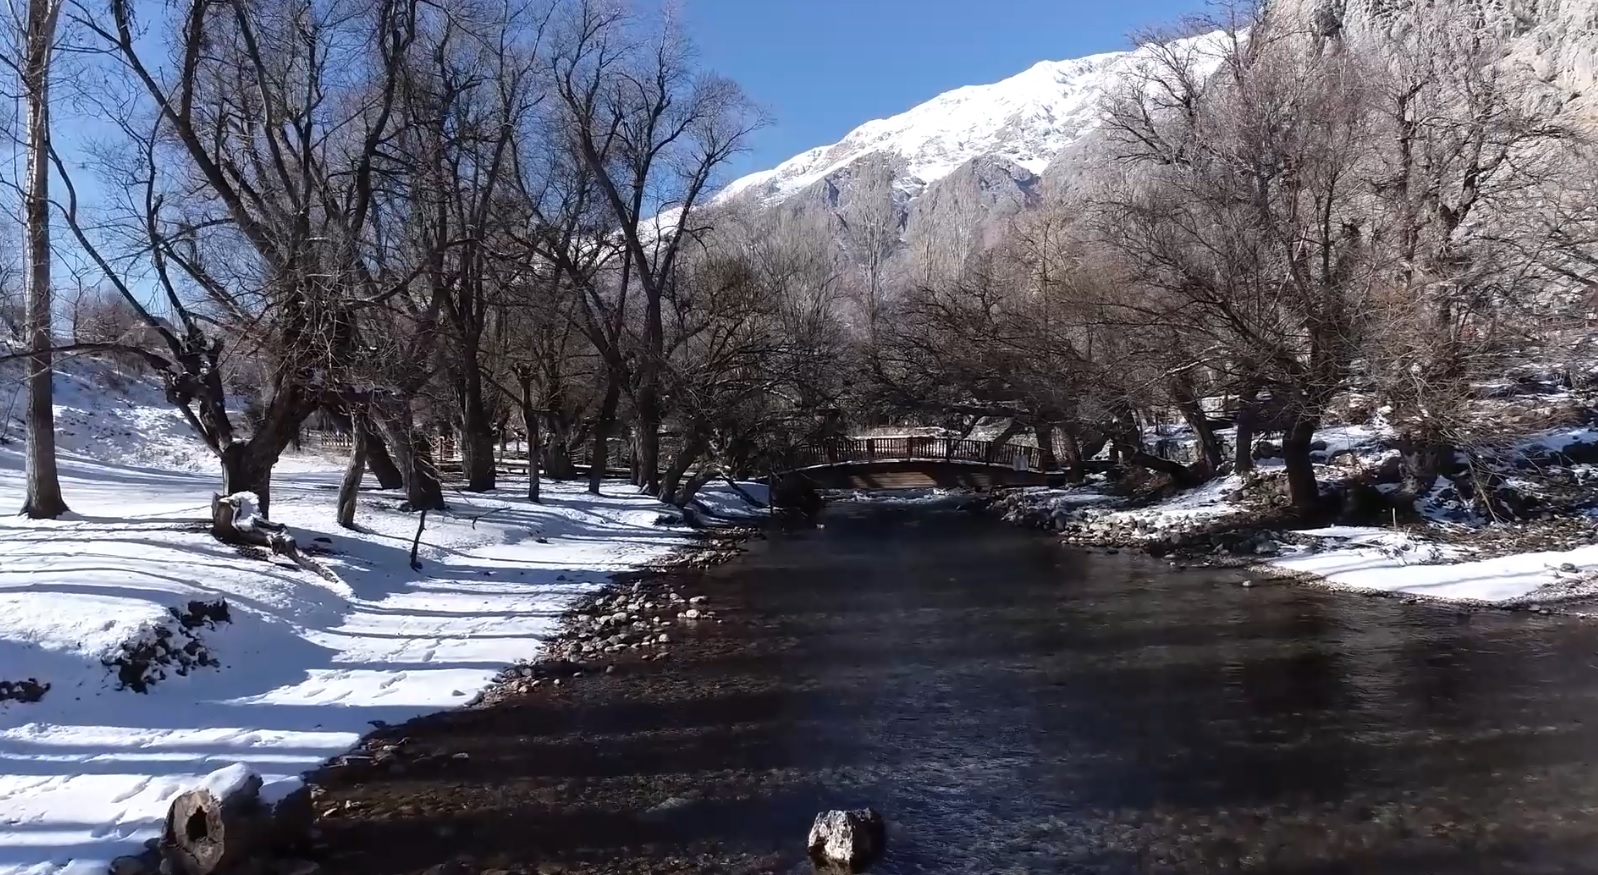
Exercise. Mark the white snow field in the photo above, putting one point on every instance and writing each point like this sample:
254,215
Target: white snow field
1381,560
87,773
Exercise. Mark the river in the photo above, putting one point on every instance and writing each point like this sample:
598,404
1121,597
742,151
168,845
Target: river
1015,706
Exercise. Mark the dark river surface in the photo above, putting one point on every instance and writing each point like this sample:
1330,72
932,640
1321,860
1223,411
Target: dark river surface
1015,706
1012,705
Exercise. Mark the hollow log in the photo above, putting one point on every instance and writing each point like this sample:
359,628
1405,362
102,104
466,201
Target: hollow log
205,835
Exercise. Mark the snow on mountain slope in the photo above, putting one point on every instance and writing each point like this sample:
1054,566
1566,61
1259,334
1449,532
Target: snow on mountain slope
1026,119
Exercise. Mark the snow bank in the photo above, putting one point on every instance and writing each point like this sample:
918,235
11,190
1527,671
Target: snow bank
1357,558
1377,560
109,413
1092,512
306,664
927,498
726,503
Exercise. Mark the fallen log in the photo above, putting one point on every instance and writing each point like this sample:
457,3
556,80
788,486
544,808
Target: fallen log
234,521
216,828
225,826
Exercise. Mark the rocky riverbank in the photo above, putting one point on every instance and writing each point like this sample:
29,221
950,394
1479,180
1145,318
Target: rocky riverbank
630,621
494,787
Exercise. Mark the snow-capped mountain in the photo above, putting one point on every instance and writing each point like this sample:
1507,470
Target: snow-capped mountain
1025,120
948,177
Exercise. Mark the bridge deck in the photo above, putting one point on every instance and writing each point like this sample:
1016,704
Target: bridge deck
927,449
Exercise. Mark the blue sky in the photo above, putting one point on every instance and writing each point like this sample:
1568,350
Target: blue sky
821,67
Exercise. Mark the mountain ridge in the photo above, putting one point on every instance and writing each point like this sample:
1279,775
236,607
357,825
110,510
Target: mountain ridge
1026,119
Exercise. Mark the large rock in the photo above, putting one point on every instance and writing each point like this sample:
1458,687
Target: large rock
850,840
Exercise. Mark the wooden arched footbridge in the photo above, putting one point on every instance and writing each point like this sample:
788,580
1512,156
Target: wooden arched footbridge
904,462
920,462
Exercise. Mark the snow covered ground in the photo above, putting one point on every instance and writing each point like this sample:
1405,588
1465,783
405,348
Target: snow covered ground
1382,560
1419,562
306,663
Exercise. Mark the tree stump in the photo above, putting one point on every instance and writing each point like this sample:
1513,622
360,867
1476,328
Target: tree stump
206,834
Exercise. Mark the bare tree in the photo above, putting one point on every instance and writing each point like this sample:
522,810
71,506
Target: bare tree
246,179
872,232
1471,149
652,131
755,351
43,499
1243,215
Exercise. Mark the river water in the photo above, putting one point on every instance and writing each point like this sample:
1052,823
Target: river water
1012,705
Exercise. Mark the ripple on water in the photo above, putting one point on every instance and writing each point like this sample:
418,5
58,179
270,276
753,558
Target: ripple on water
1013,706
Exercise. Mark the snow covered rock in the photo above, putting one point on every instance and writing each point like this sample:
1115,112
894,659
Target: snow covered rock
847,839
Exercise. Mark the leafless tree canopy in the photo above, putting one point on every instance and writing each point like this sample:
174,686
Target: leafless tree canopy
494,221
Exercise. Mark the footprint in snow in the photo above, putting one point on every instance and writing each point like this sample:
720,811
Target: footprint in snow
137,788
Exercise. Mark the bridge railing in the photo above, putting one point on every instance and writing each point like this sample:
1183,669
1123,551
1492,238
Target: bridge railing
918,448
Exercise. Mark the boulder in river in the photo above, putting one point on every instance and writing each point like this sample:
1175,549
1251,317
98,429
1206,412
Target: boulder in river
848,840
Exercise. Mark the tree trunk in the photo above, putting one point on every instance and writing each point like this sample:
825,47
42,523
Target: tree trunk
415,457
477,435
649,412
43,497
1209,444
204,835
557,453
1092,447
423,491
1045,436
242,471
1074,473
557,456
1183,476
648,455
692,486
377,458
1301,483
602,426
1243,453
350,486
1011,430
692,449
534,444
1126,438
